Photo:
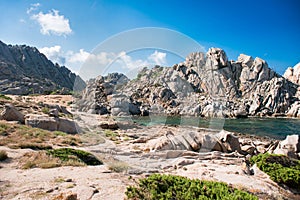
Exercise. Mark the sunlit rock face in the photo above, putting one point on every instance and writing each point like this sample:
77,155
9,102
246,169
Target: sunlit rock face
207,85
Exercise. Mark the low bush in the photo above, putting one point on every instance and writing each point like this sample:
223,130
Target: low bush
280,168
69,154
118,166
159,186
2,96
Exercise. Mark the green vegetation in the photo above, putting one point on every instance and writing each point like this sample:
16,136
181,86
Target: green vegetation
280,168
111,134
66,154
2,96
159,186
45,110
3,155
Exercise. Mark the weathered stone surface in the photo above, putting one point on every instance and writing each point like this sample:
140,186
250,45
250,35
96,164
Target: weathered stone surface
290,146
10,113
52,123
230,141
43,122
293,74
67,126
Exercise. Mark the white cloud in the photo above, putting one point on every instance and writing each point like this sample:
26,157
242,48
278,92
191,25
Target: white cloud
126,61
54,54
96,63
52,23
80,57
33,7
159,58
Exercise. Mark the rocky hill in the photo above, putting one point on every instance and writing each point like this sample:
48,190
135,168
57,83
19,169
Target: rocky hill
207,85
24,70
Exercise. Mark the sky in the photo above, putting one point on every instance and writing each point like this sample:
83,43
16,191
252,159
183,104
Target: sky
70,32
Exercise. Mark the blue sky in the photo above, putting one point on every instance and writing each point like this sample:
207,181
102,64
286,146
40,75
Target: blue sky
68,31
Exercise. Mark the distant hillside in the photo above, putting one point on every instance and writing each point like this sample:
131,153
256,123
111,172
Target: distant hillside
24,70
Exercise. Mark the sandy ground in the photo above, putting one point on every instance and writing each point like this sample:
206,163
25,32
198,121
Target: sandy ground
91,182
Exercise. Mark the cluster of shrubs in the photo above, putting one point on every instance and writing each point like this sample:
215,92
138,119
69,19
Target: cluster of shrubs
280,168
160,186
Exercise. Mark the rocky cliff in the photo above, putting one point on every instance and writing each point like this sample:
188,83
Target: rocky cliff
293,74
24,70
207,85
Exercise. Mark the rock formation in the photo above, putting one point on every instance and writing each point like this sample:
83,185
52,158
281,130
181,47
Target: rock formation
24,70
293,74
203,85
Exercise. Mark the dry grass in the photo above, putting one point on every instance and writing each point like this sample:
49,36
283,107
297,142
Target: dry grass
21,136
118,166
92,138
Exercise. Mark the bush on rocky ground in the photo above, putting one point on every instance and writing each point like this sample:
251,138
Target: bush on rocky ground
159,186
280,168
66,154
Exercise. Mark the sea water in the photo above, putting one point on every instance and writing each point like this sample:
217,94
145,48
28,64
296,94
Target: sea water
277,128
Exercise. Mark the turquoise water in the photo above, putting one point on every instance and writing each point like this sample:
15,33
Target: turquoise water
276,128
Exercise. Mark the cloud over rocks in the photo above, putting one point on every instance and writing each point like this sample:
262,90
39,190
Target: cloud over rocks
51,22
81,60
159,58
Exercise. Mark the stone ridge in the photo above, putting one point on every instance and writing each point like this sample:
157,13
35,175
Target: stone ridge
207,85
24,70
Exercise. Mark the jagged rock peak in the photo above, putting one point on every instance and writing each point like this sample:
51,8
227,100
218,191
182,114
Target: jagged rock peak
217,56
293,74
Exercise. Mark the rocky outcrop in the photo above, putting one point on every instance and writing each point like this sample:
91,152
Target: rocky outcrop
52,123
207,85
289,147
24,70
200,141
293,74
10,113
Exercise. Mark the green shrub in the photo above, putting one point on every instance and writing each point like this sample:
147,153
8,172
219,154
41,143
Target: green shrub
2,96
45,110
158,186
67,154
3,155
280,168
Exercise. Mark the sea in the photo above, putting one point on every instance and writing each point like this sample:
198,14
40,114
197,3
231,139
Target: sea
277,128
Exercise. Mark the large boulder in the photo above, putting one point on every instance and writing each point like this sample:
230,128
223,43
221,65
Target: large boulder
230,141
10,113
67,126
52,123
41,121
290,146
